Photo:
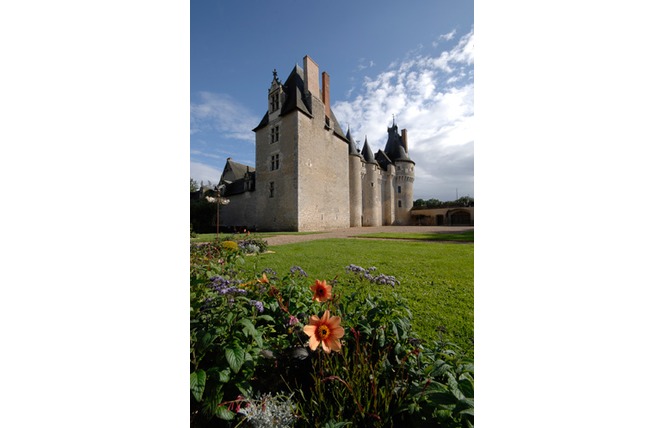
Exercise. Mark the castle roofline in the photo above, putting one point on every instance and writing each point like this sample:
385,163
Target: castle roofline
295,97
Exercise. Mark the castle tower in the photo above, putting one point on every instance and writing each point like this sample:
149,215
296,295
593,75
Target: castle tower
370,188
398,150
355,184
302,156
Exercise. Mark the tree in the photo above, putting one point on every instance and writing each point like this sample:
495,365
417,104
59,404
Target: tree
419,203
193,186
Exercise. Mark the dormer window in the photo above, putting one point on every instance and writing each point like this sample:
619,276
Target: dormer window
274,102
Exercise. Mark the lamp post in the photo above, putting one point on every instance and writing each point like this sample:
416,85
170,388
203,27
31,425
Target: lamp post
218,199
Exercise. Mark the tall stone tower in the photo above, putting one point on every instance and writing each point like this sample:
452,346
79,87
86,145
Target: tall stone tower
398,150
302,165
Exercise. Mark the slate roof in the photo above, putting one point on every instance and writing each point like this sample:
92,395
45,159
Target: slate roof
383,160
395,147
297,98
367,153
353,150
235,175
235,171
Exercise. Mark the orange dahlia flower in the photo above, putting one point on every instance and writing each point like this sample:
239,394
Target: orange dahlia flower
326,331
321,290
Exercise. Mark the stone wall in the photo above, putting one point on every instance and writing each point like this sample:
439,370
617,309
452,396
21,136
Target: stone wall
323,168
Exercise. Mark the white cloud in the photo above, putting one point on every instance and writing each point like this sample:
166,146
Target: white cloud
202,172
446,37
363,64
432,97
220,113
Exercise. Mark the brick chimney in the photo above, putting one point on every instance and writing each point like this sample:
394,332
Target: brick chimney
311,70
325,92
404,141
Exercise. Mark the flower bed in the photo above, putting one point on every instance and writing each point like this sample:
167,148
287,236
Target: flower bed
292,350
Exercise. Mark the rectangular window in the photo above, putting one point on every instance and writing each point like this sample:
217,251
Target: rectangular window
399,189
274,102
272,189
399,204
274,134
274,162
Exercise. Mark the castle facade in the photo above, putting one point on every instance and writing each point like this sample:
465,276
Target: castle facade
309,174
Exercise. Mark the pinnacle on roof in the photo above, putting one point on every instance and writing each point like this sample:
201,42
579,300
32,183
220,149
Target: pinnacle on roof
367,153
353,150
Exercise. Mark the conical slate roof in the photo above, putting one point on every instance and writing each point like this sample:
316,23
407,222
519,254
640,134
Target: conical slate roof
353,150
367,153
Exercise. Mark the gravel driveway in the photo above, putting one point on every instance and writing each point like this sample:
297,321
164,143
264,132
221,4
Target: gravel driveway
355,231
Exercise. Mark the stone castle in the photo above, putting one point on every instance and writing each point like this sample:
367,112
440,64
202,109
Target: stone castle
309,174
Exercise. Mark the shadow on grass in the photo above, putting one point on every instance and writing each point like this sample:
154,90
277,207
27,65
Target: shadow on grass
432,236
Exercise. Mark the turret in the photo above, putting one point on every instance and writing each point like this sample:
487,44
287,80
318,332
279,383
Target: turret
355,183
370,189
404,177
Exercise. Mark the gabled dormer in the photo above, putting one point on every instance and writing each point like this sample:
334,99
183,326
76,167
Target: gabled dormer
275,97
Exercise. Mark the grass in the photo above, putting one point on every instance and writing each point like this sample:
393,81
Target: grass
434,236
209,237
436,278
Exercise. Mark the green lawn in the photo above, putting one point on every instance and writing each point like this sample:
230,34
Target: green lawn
436,278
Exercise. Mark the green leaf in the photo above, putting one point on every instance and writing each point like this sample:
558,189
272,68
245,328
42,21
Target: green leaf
248,327
206,340
235,357
197,383
224,413
224,376
466,386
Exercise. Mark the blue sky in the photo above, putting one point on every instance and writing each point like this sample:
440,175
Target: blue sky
411,59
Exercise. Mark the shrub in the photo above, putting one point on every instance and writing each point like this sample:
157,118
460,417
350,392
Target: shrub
252,245
230,246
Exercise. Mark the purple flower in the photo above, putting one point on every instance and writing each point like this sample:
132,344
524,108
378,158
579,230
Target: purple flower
298,270
379,279
257,304
270,272
225,286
